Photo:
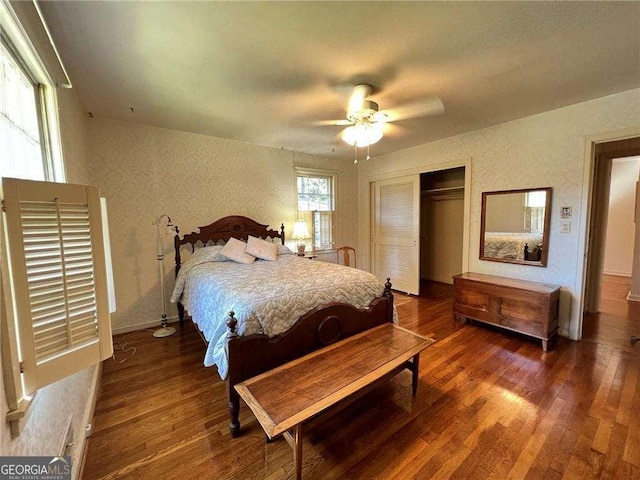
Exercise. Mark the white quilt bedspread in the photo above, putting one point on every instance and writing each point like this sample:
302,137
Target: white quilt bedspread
509,245
267,297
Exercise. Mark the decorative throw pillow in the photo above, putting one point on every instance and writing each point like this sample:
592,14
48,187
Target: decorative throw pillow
284,250
262,249
235,250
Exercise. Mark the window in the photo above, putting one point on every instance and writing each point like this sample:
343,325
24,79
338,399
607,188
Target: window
19,121
316,204
534,204
29,133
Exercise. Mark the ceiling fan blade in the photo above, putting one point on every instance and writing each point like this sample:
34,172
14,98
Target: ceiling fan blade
330,123
393,130
426,107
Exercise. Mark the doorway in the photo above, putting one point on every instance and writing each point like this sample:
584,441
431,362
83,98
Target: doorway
607,316
441,228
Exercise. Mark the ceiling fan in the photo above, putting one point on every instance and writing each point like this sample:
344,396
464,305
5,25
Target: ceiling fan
366,122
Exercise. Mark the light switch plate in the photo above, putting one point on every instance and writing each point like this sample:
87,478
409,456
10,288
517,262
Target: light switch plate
565,227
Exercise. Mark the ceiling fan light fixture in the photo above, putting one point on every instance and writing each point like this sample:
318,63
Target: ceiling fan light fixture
362,134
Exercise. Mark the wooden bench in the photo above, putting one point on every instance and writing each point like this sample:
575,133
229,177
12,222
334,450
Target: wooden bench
284,398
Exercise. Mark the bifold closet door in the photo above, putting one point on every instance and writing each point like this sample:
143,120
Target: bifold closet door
395,232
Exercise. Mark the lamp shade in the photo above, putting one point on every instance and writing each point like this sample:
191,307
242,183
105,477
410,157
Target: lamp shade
300,230
363,134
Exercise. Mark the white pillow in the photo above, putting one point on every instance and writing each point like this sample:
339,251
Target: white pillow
234,250
261,249
284,250
209,254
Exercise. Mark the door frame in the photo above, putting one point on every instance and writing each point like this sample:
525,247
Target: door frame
434,167
587,204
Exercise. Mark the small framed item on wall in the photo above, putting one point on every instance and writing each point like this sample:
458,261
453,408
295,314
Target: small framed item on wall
565,212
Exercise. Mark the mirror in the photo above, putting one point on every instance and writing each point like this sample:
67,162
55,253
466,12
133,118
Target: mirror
515,226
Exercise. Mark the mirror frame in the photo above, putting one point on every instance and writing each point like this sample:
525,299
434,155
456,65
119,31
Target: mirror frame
545,235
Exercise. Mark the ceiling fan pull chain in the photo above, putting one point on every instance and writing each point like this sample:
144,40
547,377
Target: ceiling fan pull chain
368,157
355,153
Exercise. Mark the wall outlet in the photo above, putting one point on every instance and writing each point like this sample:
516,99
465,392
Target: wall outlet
565,227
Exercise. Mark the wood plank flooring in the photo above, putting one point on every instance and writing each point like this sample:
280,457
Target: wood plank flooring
489,405
618,319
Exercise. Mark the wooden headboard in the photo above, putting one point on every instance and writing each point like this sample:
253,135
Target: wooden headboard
234,226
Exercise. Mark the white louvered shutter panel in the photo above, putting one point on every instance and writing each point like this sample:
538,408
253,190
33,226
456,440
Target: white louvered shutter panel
396,232
323,228
59,278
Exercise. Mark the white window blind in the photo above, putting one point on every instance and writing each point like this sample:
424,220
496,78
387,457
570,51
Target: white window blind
59,278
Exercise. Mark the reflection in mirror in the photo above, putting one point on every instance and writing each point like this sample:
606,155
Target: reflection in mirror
515,226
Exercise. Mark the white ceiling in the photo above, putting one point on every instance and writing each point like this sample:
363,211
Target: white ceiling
267,72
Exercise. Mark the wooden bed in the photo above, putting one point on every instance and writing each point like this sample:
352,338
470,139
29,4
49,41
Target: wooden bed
254,354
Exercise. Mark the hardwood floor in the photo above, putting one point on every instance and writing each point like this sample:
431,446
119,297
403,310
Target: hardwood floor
618,319
489,405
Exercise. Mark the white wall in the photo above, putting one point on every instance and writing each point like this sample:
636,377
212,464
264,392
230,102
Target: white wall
441,238
618,252
195,179
545,150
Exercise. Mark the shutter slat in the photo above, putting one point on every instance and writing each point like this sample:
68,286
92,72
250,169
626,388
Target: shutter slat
80,280
46,299
81,322
86,326
49,349
52,330
80,311
48,306
48,317
45,278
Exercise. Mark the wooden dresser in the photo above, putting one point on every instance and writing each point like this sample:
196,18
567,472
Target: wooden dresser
518,305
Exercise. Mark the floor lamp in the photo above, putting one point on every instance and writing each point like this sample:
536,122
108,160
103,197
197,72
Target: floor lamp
164,330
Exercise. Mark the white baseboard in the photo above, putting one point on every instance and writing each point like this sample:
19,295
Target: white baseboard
142,326
87,418
633,297
617,273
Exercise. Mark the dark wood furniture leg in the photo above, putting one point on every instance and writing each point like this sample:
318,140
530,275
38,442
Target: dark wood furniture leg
181,314
234,410
297,451
415,367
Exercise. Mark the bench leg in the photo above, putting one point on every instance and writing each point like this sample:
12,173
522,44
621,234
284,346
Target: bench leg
297,450
415,369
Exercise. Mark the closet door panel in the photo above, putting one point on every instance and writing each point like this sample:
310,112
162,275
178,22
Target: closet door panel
395,232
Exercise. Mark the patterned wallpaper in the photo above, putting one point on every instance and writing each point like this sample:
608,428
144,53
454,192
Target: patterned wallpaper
42,429
195,179
545,150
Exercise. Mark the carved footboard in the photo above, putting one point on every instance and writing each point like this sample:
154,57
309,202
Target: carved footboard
254,354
